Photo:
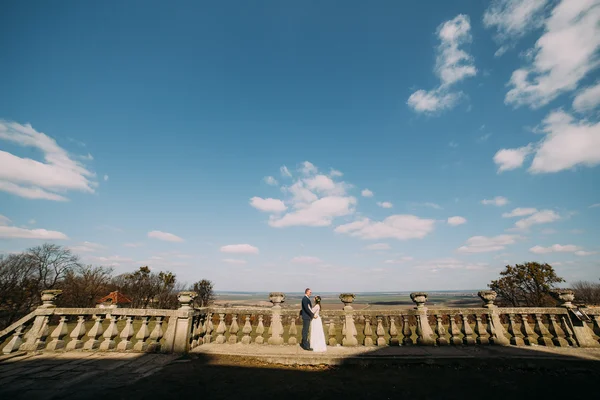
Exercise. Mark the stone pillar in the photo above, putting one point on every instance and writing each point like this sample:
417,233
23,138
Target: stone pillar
180,327
497,331
350,329
584,336
276,298
424,331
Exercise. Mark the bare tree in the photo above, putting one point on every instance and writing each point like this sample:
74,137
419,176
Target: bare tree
18,288
587,292
52,262
83,286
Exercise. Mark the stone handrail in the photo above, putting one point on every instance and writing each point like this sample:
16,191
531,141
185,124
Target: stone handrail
181,330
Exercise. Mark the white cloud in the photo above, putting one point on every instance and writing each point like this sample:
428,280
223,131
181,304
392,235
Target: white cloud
308,168
385,204
269,180
565,53
366,193
594,205
285,172
513,19
508,159
168,237
239,249
555,248
398,260
4,221
268,204
306,260
587,99
112,261
540,217
401,227
40,180
105,178
378,246
13,232
320,212
484,244
135,244
453,64
585,253
234,261
86,247
450,263
454,221
498,201
520,212
31,222
335,173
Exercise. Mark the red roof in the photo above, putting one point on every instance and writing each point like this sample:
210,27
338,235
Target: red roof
115,298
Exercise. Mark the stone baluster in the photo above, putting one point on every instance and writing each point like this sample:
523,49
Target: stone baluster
15,342
58,335
540,329
558,335
247,330
126,335
332,333
526,329
93,342
109,335
77,334
482,335
233,330
568,331
368,340
380,332
467,331
454,331
221,329
198,331
516,338
260,329
406,332
33,336
292,332
276,338
350,332
440,331
393,331
156,335
208,329
142,334
424,331
596,327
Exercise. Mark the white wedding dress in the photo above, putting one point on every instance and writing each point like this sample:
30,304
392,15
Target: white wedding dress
317,335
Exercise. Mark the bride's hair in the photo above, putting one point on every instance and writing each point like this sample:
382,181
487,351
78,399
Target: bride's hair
318,300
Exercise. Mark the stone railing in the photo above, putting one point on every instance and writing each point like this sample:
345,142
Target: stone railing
145,330
49,328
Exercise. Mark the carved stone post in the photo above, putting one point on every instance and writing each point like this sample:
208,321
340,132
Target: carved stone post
542,332
350,332
156,335
292,332
394,340
380,332
126,334
247,330
332,333
406,332
516,336
180,326
454,331
58,335
35,339
488,297
208,329
276,326
15,342
582,333
497,331
77,334
368,332
260,329
221,329
109,335
141,336
440,331
424,331
480,331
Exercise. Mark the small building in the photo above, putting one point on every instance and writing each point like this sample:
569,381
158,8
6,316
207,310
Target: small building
113,300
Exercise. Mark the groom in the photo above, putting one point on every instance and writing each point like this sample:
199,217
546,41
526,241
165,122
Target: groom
307,316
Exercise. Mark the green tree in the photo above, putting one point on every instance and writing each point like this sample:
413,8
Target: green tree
204,291
527,284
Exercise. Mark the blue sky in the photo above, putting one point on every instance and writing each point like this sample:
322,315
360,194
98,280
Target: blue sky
277,145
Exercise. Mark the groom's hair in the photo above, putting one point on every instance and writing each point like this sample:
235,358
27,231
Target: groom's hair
306,290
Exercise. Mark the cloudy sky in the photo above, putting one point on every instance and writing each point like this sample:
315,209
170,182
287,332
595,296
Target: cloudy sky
350,145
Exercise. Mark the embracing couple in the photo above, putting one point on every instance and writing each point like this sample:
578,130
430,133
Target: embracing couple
311,318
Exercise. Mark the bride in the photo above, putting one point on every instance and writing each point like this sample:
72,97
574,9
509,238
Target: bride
317,336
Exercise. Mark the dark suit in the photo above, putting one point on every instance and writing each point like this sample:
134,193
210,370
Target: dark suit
307,316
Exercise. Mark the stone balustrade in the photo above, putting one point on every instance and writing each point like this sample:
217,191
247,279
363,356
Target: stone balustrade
146,330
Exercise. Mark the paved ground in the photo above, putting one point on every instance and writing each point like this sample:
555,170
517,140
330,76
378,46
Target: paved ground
232,371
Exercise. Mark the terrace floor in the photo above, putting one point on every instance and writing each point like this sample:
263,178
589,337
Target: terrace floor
287,372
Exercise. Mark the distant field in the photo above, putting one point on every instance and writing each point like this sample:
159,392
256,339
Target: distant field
371,300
